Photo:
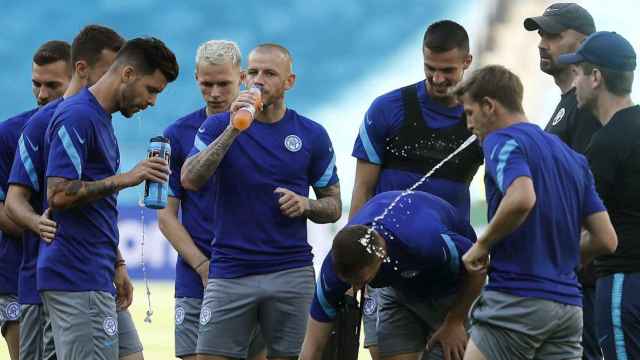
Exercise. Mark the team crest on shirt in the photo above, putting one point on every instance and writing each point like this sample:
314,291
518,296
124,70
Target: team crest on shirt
179,315
12,311
370,306
110,326
408,274
205,315
558,117
293,143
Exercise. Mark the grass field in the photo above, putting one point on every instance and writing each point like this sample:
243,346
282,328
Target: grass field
157,337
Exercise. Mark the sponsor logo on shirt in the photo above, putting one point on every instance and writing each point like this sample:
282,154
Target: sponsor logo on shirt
179,315
408,274
78,136
558,117
201,130
12,311
370,305
205,315
293,143
110,326
34,148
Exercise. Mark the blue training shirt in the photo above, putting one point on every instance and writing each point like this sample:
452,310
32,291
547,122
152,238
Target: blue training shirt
28,171
425,239
383,121
197,217
82,145
252,236
540,257
10,247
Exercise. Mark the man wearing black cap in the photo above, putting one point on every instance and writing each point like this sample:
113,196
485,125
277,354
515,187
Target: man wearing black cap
603,71
562,27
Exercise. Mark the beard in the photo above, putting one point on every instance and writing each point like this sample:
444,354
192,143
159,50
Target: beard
128,106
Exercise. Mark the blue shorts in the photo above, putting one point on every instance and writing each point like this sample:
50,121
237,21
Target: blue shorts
618,315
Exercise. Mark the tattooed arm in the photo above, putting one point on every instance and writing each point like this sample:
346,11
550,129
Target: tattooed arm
63,193
199,168
327,209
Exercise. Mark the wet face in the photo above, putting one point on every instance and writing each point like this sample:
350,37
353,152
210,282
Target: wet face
100,68
365,276
271,69
553,45
219,85
585,85
139,91
479,119
49,81
444,70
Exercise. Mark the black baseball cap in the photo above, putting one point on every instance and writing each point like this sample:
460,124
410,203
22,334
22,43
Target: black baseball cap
604,48
562,16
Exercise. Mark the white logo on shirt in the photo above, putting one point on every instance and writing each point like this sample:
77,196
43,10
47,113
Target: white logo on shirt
78,136
558,117
179,315
293,143
12,311
34,148
110,326
201,130
408,274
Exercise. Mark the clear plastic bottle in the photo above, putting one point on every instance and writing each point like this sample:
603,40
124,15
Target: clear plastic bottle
243,118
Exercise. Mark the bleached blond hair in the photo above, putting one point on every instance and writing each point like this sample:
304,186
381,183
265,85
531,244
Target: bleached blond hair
218,52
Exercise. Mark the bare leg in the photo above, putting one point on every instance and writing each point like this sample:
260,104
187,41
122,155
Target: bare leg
12,336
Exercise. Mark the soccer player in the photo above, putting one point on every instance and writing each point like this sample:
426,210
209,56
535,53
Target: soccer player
76,270
562,27
425,290
261,263
92,52
539,194
50,74
604,68
218,76
407,131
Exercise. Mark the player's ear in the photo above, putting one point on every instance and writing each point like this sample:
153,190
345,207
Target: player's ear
487,104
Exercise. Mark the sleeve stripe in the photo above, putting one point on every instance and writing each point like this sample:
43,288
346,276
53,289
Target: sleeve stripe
366,142
70,149
453,253
199,144
28,164
328,173
503,156
329,310
2,195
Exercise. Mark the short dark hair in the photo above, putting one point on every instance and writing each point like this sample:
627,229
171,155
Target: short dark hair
495,82
446,35
350,256
617,82
147,55
53,51
91,41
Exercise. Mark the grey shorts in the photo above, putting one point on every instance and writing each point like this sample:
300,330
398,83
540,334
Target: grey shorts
505,327
85,324
9,311
36,336
187,317
405,323
370,317
278,303
128,339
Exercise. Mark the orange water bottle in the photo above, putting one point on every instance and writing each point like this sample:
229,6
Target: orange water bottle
243,118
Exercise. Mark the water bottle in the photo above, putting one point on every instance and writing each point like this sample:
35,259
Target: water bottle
155,194
243,118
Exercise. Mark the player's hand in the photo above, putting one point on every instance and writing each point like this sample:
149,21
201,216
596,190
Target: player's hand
47,227
476,259
153,169
452,337
244,99
124,288
203,271
291,204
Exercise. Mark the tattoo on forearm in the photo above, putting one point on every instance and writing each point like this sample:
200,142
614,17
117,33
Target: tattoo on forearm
328,207
65,194
199,168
